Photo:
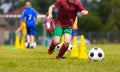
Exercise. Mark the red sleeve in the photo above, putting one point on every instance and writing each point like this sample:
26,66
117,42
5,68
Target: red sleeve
80,6
58,3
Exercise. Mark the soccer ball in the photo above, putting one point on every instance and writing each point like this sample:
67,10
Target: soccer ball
96,54
70,47
33,45
58,47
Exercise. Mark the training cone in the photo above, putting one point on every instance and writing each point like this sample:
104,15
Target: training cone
22,43
74,52
62,40
17,42
83,51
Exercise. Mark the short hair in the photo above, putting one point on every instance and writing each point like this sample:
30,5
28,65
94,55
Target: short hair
28,4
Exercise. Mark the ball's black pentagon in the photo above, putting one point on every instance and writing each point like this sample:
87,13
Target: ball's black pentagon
99,54
91,54
95,48
58,46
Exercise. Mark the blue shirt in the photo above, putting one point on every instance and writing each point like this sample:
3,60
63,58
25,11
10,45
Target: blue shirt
29,15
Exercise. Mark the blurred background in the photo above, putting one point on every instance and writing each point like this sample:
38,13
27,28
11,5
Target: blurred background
102,25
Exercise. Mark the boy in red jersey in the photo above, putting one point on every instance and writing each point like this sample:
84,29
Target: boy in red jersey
64,23
48,25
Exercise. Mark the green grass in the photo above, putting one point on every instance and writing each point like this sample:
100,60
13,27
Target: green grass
37,60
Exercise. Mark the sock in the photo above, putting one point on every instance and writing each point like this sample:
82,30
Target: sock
52,45
63,49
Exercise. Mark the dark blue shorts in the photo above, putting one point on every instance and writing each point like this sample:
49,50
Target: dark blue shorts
74,32
31,30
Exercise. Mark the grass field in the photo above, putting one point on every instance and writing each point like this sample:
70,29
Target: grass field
37,60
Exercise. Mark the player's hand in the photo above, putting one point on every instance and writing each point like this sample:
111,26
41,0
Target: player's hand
84,12
49,16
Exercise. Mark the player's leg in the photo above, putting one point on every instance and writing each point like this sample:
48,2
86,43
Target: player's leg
65,46
48,37
28,37
32,41
32,36
55,39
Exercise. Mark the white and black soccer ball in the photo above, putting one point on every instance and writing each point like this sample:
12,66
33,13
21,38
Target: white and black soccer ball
58,47
70,47
96,54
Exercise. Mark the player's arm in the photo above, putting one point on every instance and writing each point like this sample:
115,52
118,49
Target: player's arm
36,20
18,30
82,10
50,10
35,14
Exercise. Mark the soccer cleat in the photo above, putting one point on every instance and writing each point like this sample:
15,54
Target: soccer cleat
60,57
32,47
28,46
50,50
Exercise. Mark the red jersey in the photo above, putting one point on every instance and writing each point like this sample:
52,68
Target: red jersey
49,23
68,11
